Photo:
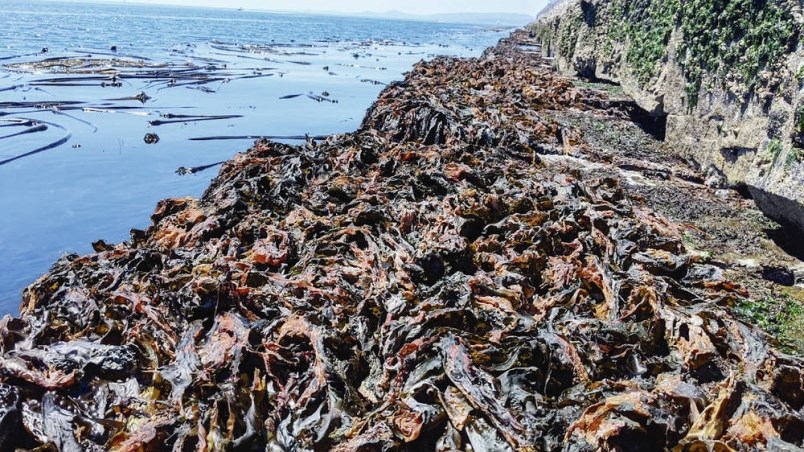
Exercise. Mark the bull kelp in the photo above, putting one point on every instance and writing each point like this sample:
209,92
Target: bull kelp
446,278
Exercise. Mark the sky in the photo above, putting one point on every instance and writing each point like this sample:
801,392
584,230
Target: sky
530,7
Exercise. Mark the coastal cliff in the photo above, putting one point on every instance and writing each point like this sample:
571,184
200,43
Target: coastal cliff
723,79
499,259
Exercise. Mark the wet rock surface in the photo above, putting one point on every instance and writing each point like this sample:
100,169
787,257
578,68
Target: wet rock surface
475,268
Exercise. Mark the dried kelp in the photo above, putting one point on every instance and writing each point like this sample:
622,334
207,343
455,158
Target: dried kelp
427,283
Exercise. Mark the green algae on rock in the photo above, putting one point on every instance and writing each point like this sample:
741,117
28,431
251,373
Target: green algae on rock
724,76
737,44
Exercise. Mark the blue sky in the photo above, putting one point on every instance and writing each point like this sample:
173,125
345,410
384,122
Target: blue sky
530,7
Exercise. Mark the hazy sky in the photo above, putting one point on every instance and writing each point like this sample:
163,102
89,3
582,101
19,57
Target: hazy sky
530,7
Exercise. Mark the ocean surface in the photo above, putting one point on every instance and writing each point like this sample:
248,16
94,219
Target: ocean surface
85,89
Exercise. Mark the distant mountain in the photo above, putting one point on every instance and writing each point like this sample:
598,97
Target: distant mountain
465,18
485,18
498,18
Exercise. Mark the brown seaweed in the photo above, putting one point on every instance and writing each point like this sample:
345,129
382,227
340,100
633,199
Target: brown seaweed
446,278
32,129
260,137
42,125
189,118
183,170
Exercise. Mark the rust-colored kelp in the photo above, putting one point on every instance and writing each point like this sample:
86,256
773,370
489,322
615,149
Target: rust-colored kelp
427,283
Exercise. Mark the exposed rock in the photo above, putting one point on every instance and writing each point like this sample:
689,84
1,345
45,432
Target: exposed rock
731,90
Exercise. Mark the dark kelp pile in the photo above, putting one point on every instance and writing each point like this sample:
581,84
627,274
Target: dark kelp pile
430,282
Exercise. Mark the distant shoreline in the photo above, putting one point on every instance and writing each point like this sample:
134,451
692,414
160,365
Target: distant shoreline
500,19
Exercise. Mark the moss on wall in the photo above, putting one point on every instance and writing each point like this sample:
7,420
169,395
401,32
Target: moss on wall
647,25
727,42
734,41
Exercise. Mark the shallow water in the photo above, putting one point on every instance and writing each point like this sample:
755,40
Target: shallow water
104,179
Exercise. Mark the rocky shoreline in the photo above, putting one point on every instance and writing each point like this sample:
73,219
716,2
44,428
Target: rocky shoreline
499,259
726,79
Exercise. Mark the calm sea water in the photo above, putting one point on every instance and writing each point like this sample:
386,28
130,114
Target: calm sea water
103,179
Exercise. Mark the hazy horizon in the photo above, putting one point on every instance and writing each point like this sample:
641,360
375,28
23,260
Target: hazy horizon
416,7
